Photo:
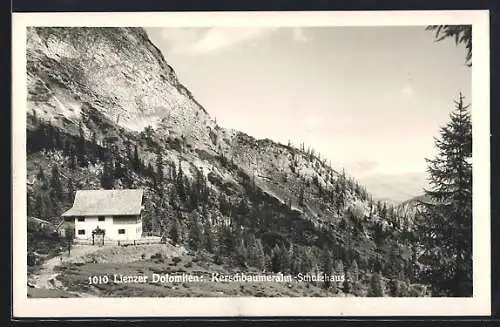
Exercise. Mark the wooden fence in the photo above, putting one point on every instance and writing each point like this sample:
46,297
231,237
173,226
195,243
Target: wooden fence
142,241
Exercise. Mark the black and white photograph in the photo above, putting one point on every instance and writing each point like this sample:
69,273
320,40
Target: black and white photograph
219,160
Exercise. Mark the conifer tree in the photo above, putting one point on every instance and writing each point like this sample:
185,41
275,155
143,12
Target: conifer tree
173,171
276,262
42,178
56,191
393,287
194,195
339,267
223,205
69,234
43,201
259,255
280,259
72,159
461,33
375,289
93,148
107,176
128,180
195,240
341,191
159,176
347,284
136,162
445,224
159,166
285,257
301,197
181,188
208,237
241,253
43,205
378,235
354,271
379,207
226,242
383,212
174,232
31,205
354,274
327,268
243,208
81,150
70,196
118,170
150,171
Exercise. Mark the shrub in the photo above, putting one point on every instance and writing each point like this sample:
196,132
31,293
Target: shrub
32,259
357,212
218,260
157,255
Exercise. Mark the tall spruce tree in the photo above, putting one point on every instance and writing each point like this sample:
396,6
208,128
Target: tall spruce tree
461,33
159,178
136,161
341,192
445,226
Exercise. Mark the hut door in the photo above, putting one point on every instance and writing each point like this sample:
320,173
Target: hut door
98,236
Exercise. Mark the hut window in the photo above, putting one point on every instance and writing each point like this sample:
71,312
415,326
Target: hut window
81,218
101,218
121,231
81,232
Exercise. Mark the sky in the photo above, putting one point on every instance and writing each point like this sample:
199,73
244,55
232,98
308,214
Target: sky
369,99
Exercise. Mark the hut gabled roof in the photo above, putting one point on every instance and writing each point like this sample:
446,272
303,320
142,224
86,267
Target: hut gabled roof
106,203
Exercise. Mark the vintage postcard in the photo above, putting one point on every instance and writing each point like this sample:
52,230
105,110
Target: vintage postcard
251,164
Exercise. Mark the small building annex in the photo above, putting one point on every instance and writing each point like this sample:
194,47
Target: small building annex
116,212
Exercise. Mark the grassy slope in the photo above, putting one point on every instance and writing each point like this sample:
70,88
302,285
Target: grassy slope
75,277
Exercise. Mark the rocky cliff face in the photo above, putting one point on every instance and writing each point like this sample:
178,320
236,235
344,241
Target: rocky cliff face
119,72
113,86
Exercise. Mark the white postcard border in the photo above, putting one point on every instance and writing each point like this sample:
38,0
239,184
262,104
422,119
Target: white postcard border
479,304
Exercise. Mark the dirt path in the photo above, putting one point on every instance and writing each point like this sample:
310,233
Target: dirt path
46,276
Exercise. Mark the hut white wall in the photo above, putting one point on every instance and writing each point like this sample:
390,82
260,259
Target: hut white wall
112,226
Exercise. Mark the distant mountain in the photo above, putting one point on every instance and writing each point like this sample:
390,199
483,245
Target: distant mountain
106,110
395,188
417,199
407,210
